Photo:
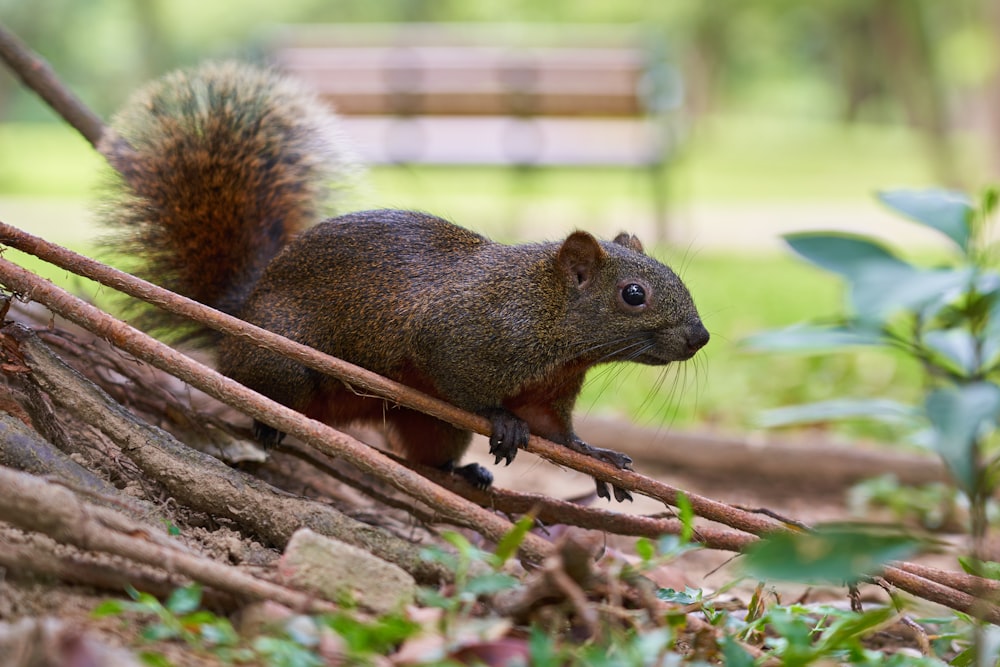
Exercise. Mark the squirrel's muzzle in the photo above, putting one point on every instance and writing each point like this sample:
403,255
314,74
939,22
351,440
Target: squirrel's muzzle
696,336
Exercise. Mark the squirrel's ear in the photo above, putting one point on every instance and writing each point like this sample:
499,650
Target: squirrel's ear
580,257
630,241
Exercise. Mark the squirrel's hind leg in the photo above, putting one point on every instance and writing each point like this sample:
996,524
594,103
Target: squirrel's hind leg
428,441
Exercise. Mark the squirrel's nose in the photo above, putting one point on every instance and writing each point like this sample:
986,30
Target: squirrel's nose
696,335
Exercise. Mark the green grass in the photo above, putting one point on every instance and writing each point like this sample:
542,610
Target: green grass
46,160
727,159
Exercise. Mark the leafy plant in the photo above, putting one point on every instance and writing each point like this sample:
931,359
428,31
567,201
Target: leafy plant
294,645
936,506
178,618
947,316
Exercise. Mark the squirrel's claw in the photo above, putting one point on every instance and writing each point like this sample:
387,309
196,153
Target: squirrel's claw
267,436
621,495
509,434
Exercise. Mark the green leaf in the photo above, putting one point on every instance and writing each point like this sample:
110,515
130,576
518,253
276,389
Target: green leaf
831,554
881,284
991,332
154,659
879,409
219,633
988,200
734,654
957,346
689,596
947,211
879,291
488,584
158,631
686,515
853,626
981,568
843,253
509,543
645,549
809,338
109,608
184,600
959,416
542,649
285,653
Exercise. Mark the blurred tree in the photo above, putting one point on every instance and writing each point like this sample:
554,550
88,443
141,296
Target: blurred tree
991,18
921,62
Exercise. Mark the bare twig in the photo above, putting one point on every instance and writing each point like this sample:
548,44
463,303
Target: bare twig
943,594
37,75
549,510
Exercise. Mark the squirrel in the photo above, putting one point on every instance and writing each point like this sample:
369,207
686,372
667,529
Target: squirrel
221,203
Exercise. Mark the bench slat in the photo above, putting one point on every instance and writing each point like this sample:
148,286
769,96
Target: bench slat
504,140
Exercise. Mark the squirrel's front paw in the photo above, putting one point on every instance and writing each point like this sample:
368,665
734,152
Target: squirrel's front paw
509,434
617,459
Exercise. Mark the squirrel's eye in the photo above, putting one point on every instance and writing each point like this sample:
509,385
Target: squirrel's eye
633,294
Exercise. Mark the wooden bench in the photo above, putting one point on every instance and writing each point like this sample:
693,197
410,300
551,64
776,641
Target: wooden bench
488,94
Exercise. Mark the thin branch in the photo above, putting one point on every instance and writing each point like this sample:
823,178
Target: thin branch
37,75
941,593
554,511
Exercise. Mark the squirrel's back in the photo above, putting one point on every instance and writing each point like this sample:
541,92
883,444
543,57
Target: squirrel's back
229,162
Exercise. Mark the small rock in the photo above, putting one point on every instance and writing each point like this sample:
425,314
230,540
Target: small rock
332,569
260,617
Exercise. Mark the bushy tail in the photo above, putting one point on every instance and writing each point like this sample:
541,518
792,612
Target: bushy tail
229,162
